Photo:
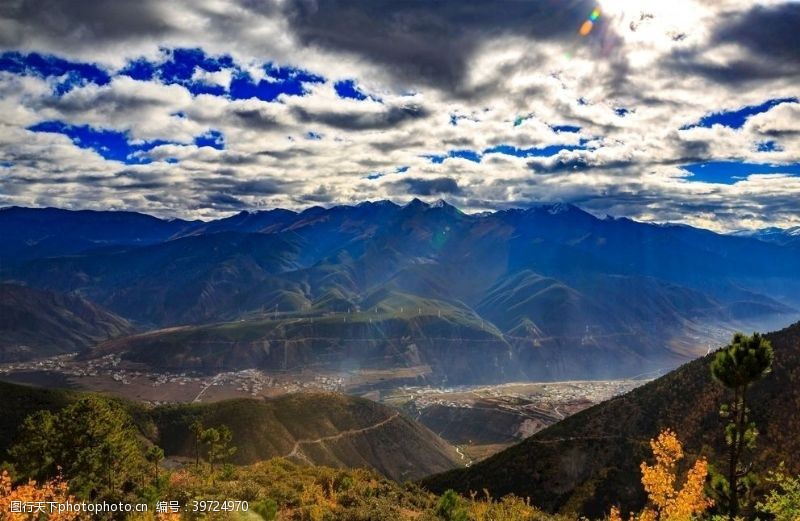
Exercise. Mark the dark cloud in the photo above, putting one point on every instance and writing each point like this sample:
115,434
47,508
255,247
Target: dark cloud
734,72
143,180
259,187
239,159
429,41
385,119
225,202
687,150
769,36
226,182
421,186
576,164
73,24
768,31
108,100
56,179
283,155
255,119
321,194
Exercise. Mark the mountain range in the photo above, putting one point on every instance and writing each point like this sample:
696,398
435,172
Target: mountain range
783,236
549,292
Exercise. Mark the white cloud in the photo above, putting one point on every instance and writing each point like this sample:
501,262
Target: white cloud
649,58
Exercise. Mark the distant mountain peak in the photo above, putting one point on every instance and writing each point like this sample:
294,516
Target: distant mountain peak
773,234
416,203
382,203
559,208
313,210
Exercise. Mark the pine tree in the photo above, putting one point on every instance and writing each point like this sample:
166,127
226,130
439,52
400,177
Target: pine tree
197,429
737,366
155,455
218,444
92,441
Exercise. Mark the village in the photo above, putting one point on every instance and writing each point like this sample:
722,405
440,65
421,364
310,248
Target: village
110,373
545,401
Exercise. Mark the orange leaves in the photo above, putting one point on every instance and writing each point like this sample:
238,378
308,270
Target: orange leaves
54,491
668,503
659,479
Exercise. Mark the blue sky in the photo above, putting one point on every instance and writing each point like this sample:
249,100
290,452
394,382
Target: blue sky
200,109
731,172
736,118
70,74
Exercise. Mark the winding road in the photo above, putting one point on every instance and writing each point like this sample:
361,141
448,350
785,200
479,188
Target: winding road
296,452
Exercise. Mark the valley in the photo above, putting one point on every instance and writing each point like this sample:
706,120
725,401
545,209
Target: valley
547,293
483,420
478,420
110,374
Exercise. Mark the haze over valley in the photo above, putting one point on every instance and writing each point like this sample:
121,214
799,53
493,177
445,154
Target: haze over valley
420,306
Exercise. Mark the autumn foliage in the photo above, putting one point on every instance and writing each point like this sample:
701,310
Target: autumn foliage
55,491
667,501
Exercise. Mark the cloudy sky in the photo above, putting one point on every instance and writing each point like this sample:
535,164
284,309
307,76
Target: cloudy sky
682,111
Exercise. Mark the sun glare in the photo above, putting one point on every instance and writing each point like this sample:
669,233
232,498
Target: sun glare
652,20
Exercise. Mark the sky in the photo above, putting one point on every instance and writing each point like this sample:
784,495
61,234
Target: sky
683,111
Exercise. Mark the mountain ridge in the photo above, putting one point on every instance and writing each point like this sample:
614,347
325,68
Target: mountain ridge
589,461
622,297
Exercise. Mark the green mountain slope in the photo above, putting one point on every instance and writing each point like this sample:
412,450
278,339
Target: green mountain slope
324,429
589,461
392,331
317,428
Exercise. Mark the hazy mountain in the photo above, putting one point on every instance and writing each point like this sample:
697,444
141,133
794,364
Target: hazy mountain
783,236
318,428
453,342
191,279
42,232
589,461
550,291
35,323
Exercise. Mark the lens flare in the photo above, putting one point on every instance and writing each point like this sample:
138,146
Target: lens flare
588,25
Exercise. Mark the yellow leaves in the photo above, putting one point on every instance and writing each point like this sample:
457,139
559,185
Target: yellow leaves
507,508
659,480
315,504
54,491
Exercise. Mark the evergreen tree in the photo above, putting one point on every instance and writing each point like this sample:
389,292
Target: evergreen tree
92,443
197,429
452,507
155,455
218,444
744,361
